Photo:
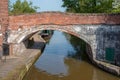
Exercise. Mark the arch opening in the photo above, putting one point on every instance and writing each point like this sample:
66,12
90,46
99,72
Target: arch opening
87,47
65,29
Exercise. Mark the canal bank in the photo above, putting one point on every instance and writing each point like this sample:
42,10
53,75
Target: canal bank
111,68
15,67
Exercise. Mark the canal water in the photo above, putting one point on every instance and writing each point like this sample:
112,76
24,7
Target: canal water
63,60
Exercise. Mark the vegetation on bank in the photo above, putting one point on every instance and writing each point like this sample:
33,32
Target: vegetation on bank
92,6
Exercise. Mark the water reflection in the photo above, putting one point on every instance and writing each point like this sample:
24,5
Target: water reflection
54,54
79,47
52,64
58,62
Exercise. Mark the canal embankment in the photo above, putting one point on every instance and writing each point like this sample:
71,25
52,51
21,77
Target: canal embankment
111,68
15,67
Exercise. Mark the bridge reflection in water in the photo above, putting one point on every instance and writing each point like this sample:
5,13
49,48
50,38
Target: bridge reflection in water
63,59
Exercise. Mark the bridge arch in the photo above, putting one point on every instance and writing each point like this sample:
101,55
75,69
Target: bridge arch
24,34
70,29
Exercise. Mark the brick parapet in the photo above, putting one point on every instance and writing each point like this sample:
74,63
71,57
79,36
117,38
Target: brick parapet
59,18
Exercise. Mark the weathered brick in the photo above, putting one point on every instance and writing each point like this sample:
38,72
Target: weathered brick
3,17
58,18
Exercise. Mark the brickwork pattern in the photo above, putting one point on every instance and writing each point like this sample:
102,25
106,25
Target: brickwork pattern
3,17
58,18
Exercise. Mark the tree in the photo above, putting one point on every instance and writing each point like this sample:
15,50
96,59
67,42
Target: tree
116,6
88,6
22,7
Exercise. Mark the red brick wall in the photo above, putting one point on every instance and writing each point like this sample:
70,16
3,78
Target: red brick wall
61,19
3,17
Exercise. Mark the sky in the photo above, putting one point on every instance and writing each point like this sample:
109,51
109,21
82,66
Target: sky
47,5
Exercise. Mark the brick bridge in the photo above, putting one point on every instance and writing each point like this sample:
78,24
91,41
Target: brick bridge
100,31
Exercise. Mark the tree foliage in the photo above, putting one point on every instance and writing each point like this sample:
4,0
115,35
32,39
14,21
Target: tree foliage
22,7
116,6
90,6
